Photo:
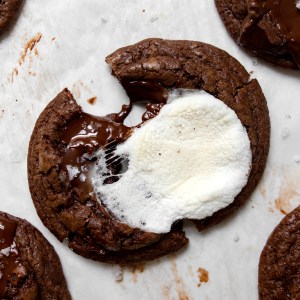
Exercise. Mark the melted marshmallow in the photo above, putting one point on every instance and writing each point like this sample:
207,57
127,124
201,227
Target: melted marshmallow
190,161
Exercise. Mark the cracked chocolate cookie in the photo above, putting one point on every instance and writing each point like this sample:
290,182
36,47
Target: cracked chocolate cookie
279,266
8,10
65,141
267,28
30,268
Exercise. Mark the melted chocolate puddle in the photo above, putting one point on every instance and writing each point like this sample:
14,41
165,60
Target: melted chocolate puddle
11,269
86,134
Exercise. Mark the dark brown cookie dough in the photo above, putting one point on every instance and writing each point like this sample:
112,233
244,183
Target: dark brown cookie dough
30,268
8,10
279,266
267,28
70,209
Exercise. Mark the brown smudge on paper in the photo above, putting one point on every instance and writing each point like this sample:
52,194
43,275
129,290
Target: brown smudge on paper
92,100
263,191
166,292
29,46
190,271
76,90
14,73
203,276
179,284
135,270
287,192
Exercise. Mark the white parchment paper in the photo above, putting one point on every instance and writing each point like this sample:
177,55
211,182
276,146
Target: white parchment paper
56,44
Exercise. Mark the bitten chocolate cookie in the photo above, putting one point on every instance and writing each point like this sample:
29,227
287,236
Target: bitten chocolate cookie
30,268
65,139
279,266
8,10
267,28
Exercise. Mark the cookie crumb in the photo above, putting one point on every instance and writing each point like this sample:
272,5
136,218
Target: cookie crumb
92,100
118,273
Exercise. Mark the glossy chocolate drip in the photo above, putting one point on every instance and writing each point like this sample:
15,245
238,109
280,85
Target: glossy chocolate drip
11,270
86,134
83,136
286,14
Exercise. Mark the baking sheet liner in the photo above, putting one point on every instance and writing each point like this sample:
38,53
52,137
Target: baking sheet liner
57,44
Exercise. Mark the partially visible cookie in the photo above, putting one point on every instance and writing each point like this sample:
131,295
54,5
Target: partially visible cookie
8,10
279,266
29,266
267,28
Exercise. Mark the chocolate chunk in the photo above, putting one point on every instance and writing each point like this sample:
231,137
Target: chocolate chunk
267,28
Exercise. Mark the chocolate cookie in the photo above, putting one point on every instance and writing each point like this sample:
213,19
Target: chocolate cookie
30,268
8,10
267,28
64,141
279,266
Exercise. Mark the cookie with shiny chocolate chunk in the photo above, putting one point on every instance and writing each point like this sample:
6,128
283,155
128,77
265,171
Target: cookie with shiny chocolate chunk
30,268
8,10
64,140
267,28
279,266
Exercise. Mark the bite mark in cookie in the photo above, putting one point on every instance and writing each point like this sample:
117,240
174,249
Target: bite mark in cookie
268,28
148,71
279,266
30,268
